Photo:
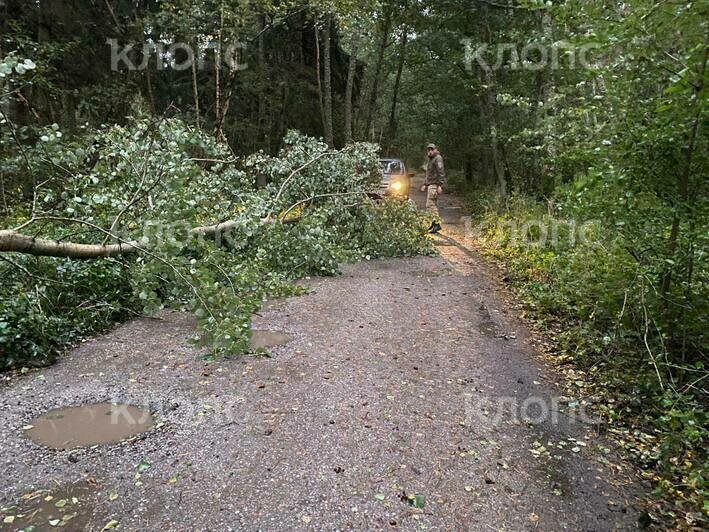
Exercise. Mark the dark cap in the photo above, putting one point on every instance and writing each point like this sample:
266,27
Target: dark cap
431,147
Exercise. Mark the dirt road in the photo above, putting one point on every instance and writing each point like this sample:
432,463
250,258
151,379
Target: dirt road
409,396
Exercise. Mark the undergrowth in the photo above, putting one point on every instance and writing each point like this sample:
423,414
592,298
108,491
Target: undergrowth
583,285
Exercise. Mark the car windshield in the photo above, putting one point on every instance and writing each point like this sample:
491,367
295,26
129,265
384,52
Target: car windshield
392,167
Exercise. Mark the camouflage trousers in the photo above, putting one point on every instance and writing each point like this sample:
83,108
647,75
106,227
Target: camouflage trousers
432,202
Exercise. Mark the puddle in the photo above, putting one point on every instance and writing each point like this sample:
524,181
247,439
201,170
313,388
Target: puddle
268,339
66,507
84,426
486,325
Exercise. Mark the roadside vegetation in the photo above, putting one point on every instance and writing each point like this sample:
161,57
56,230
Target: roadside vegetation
593,303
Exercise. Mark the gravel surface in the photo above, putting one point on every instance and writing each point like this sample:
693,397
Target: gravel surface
399,402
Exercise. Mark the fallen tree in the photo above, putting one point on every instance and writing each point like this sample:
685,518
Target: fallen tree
14,241
140,219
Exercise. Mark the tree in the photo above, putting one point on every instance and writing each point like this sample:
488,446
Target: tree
327,74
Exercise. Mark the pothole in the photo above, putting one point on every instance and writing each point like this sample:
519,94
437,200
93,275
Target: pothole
43,510
87,425
268,339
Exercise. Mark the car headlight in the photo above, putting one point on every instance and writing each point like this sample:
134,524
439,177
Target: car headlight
396,185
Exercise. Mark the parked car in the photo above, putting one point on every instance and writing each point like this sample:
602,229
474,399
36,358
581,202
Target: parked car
395,179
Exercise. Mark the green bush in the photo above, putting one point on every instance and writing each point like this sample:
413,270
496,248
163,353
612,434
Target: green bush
48,304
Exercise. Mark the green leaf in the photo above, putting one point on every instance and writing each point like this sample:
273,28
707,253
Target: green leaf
143,466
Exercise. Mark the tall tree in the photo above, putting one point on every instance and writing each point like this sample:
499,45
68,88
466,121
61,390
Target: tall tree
384,34
349,90
392,126
327,75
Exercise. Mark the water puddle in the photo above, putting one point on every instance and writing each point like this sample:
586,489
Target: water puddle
268,339
66,507
84,426
486,325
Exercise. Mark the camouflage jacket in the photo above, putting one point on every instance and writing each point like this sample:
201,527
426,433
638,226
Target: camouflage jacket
435,172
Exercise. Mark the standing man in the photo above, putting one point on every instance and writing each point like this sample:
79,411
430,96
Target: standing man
433,186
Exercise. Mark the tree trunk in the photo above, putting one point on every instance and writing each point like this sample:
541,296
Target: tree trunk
217,81
497,160
12,241
195,90
349,90
392,128
327,72
374,94
683,188
488,79
262,82
283,115
358,112
319,82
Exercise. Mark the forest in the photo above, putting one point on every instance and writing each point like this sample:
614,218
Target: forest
208,154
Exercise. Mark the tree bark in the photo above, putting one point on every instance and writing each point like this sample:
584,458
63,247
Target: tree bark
262,83
497,160
327,73
195,90
392,128
374,94
319,82
217,81
349,90
488,79
13,241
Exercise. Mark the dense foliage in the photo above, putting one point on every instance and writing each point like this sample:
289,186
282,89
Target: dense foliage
153,183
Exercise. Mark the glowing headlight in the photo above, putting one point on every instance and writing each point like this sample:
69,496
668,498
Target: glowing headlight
396,185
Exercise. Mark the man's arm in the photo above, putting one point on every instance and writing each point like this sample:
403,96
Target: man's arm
441,171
